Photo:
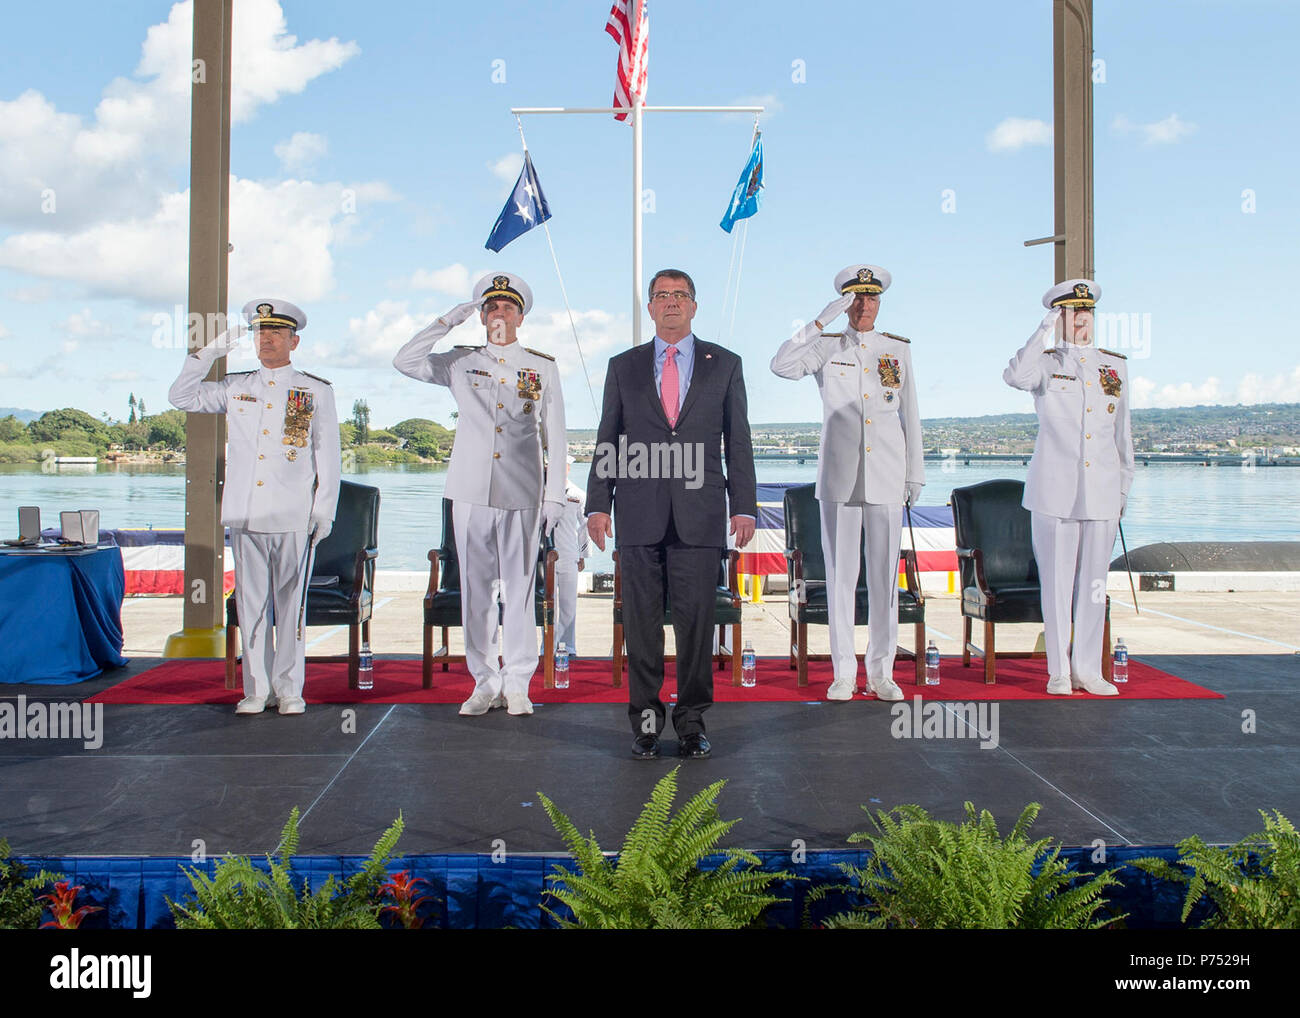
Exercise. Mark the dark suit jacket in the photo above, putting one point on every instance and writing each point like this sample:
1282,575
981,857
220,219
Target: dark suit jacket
714,423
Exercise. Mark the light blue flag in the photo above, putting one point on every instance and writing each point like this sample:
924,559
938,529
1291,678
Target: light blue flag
746,198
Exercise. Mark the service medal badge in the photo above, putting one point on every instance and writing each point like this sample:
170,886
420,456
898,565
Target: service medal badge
1110,408
1110,383
889,395
292,454
299,406
528,406
888,370
530,384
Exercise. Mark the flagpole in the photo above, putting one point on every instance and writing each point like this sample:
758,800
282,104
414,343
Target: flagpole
636,221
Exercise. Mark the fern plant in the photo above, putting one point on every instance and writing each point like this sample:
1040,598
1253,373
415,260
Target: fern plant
19,907
1253,885
931,874
656,881
242,896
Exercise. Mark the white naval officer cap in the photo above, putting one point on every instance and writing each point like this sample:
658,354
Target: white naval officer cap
273,311
863,279
1073,293
504,284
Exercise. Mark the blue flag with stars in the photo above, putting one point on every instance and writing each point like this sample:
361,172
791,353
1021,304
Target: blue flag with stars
525,209
745,199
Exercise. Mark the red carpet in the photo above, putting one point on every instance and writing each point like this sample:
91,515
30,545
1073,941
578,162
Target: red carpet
398,681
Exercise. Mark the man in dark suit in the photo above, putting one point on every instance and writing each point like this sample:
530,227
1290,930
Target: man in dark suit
677,403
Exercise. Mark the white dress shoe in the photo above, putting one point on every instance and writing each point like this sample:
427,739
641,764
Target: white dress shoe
1058,685
885,689
1095,685
251,705
842,689
519,704
478,703
292,705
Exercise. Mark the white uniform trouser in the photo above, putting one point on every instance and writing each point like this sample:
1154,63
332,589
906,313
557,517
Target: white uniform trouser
1073,559
883,527
497,549
566,606
268,589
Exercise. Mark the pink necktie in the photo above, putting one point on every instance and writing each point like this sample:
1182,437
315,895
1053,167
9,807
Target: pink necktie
668,386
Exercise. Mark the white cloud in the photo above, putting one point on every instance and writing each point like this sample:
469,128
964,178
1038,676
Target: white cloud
282,234
124,376
84,325
381,332
598,331
301,151
1161,132
506,169
1147,393
1015,133
1279,389
453,279
4,333
59,172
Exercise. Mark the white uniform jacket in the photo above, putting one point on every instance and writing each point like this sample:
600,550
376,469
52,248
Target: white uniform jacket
1083,459
510,410
571,541
871,426
282,442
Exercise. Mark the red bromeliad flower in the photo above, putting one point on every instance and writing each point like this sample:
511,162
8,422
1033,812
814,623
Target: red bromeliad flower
402,889
60,905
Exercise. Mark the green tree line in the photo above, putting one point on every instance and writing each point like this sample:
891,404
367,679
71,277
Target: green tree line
73,432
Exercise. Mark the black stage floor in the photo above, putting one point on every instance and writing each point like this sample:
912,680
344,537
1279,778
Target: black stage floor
1136,772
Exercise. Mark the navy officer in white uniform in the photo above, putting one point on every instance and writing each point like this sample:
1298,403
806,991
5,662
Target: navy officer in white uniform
281,489
1078,479
510,422
869,464
572,546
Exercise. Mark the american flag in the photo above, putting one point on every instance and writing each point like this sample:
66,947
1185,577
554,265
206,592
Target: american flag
633,50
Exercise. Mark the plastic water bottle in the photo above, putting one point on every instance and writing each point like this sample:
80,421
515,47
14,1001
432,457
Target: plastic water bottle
365,667
1119,662
561,666
748,666
932,665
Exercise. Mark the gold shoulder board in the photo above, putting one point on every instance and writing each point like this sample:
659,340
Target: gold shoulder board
468,346
832,335
235,374
901,339
317,377
539,353
1112,353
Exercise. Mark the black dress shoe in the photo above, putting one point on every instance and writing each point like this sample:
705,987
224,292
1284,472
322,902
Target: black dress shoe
646,747
695,746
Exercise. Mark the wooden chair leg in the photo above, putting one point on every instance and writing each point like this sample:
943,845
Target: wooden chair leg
794,640
919,629
965,641
354,654
426,678
735,654
618,654
232,641
548,654
446,643
719,656
1106,670
990,655
803,653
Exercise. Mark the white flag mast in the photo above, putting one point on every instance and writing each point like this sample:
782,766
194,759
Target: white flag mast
636,110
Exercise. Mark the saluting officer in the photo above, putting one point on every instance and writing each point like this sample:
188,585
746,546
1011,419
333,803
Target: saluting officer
869,464
511,419
281,489
1078,479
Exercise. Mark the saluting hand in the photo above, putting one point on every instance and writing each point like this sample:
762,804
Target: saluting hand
599,527
460,313
834,309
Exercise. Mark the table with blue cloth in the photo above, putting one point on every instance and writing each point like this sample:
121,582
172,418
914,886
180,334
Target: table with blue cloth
60,615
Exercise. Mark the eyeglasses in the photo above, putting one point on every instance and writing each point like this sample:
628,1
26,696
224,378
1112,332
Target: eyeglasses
677,295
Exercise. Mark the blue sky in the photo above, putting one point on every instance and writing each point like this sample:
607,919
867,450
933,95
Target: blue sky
373,148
